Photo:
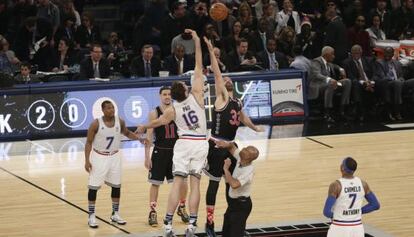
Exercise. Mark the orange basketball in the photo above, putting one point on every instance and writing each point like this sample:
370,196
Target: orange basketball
218,12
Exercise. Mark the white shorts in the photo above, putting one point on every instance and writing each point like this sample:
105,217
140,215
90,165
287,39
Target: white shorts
190,157
105,168
346,231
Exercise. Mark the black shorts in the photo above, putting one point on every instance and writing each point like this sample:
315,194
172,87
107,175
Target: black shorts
161,166
215,161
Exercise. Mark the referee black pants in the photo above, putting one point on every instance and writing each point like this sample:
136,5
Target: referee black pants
236,215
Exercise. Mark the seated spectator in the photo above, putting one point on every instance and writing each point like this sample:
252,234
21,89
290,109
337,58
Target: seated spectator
199,16
390,82
269,15
231,40
257,39
300,62
210,32
324,81
65,56
248,22
359,70
241,57
218,55
25,76
288,17
286,41
88,33
270,58
384,16
307,40
375,33
10,53
67,29
68,10
6,65
145,65
358,35
179,62
186,40
95,66
114,46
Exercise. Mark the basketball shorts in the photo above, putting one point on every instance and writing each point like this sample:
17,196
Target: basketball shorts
161,166
190,157
215,161
346,231
105,169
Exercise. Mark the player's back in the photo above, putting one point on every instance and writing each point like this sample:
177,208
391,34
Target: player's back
226,121
190,118
347,208
107,139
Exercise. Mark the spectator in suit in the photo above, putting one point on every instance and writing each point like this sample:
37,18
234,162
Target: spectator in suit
402,19
88,33
288,17
258,37
270,58
65,56
335,35
179,62
359,70
210,32
390,83
199,16
96,66
324,81
307,40
145,65
358,35
25,76
67,29
241,57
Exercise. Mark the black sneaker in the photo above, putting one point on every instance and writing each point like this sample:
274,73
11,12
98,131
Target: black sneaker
182,212
210,230
152,219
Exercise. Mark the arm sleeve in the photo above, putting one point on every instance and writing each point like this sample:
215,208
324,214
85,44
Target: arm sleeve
327,210
372,205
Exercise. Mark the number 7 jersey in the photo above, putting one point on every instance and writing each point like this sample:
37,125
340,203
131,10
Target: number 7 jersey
107,139
190,119
347,208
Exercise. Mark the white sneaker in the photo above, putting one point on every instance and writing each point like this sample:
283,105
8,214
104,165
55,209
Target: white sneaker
92,221
117,219
189,232
168,231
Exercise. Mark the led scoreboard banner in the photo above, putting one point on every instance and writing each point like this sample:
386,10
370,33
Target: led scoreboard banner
67,109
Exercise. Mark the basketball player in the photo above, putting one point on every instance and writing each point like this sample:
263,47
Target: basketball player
190,150
160,163
240,181
103,159
227,117
344,202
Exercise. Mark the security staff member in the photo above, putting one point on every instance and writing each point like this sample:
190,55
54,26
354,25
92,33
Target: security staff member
239,201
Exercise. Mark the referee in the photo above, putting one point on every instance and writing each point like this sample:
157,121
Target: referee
240,181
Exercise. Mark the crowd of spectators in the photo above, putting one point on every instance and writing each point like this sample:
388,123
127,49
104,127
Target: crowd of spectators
332,40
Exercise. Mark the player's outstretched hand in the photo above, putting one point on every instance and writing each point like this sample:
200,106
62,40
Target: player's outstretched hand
227,163
88,166
259,129
193,33
140,129
209,44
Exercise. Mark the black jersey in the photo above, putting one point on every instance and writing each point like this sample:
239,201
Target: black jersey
166,135
227,120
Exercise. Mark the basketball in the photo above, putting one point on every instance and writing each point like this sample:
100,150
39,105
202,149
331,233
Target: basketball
218,12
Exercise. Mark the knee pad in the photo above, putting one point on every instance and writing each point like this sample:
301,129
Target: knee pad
212,192
116,193
92,195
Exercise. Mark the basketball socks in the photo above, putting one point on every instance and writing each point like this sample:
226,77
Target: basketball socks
168,219
115,207
91,208
193,220
210,215
153,206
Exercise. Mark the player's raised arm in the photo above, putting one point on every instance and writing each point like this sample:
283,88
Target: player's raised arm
164,119
93,128
248,122
197,87
221,91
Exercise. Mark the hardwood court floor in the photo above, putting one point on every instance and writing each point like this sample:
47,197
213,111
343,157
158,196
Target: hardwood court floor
291,182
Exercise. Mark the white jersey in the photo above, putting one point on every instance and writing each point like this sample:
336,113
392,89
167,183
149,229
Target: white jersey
190,119
347,208
107,139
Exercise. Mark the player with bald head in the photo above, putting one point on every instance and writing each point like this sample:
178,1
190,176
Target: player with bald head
238,200
227,117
